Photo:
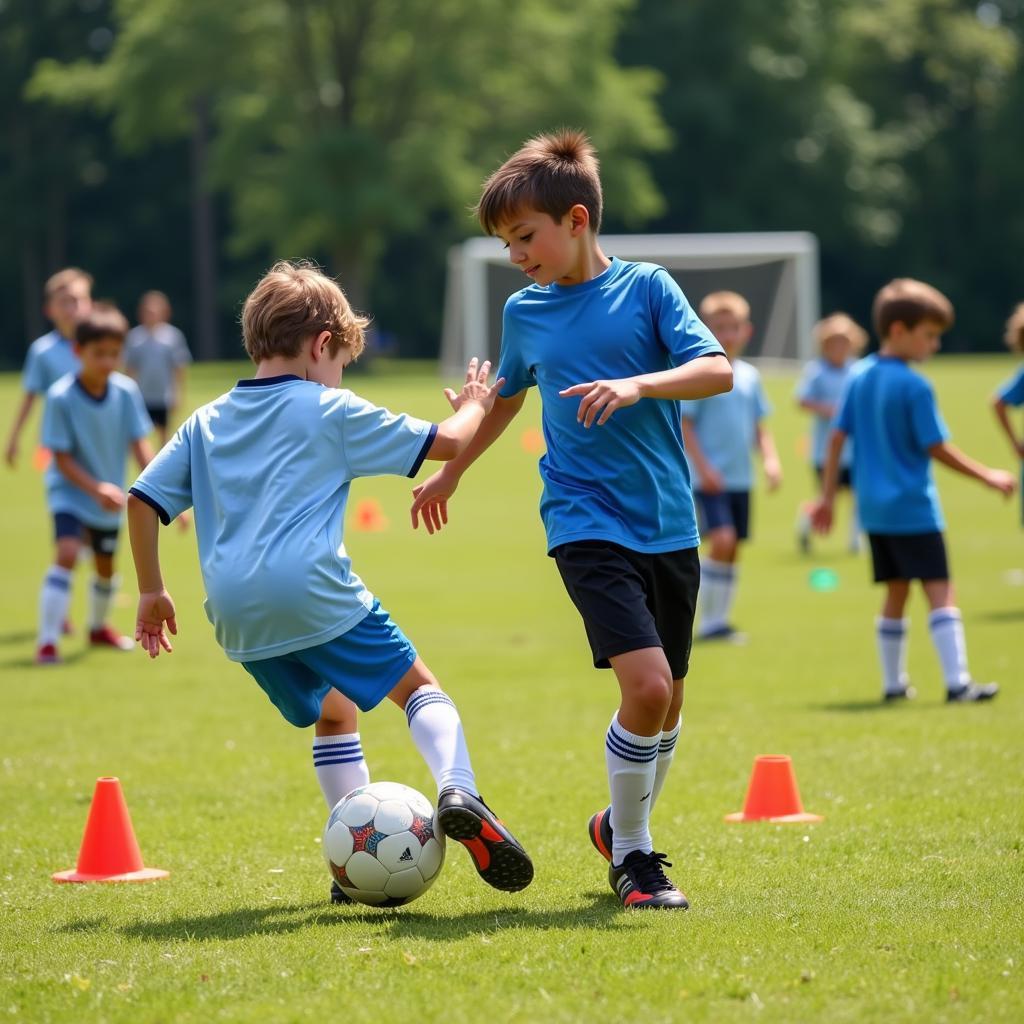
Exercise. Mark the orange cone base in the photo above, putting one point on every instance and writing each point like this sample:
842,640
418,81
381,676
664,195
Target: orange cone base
145,875
784,819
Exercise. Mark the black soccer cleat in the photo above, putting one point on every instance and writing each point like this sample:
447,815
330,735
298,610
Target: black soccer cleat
641,883
497,855
599,828
972,692
338,895
894,696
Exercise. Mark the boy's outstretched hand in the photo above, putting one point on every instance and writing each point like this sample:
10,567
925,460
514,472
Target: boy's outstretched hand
604,397
476,388
154,610
1001,481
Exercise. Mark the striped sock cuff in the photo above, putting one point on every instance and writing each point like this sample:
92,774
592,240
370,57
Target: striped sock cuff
723,571
630,747
942,616
102,586
668,740
345,749
58,578
423,697
891,627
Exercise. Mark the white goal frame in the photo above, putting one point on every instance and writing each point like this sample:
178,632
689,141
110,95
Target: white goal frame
785,326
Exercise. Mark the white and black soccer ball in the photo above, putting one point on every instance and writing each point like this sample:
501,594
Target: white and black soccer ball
383,844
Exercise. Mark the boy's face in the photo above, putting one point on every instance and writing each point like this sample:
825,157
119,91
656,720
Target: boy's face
915,344
68,305
153,312
543,248
732,332
836,349
99,358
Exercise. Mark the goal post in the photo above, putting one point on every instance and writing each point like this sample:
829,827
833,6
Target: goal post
776,271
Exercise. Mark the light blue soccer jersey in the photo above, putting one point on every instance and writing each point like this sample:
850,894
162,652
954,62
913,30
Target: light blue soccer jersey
1012,392
49,358
890,412
96,433
626,481
726,426
267,468
822,381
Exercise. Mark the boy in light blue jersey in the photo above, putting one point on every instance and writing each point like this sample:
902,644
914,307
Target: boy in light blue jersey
67,299
1011,393
890,413
267,469
612,347
91,420
720,433
840,341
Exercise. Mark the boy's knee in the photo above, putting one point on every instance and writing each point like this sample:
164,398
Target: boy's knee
67,552
652,693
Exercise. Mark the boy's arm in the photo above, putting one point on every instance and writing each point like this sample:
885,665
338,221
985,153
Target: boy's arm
821,513
20,417
699,378
999,407
108,495
950,455
709,479
769,457
156,606
143,452
826,410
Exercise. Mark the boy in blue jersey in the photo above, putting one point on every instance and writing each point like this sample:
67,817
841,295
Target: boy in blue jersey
1011,393
719,434
67,298
612,347
267,469
91,420
840,341
890,412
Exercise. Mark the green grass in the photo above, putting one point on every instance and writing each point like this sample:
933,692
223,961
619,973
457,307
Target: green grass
905,904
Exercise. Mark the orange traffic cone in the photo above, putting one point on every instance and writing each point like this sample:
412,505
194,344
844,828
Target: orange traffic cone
369,517
109,852
532,441
772,794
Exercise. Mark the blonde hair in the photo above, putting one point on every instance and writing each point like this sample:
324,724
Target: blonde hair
724,302
842,325
908,302
292,302
1014,336
64,278
551,173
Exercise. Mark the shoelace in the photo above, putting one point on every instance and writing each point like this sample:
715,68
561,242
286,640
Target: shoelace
650,875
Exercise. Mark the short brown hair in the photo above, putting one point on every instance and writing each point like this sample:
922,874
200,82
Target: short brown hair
104,321
908,302
293,301
724,302
551,173
841,324
1014,336
62,279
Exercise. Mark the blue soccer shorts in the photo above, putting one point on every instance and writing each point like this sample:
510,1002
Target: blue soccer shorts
724,508
364,664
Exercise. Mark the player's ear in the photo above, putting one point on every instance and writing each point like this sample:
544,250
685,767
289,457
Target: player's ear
318,350
579,220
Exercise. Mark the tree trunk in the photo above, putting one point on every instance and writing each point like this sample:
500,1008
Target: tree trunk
205,335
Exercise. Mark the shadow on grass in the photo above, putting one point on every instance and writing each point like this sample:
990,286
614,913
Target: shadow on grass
1002,615
599,911
878,705
22,637
30,661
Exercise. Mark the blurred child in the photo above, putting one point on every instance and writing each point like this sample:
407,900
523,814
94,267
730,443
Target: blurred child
890,412
1011,394
67,298
719,433
267,468
156,357
840,342
611,346
92,418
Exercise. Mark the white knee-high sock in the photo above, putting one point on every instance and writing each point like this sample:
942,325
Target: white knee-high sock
716,581
666,751
947,630
437,732
101,593
892,652
54,598
632,766
340,765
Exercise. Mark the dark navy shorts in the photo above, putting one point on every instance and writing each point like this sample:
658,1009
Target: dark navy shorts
103,542
908,556
630,600
726,508
364,664
158,414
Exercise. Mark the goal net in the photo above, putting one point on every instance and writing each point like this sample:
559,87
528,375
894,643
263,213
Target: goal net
777,272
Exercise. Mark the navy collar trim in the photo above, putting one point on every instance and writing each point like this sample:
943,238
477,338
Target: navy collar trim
88,394
265,382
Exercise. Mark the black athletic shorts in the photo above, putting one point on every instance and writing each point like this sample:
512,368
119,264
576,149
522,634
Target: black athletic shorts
630,600
845,479
103,542
724,508
158,414
909,556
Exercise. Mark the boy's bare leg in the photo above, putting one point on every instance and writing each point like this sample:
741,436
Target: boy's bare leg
337,749
891,632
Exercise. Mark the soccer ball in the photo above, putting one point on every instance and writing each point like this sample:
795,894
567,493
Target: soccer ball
383,844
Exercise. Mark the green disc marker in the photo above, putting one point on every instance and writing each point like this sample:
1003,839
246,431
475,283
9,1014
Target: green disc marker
823,579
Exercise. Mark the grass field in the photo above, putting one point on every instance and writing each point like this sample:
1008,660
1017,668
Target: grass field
905,904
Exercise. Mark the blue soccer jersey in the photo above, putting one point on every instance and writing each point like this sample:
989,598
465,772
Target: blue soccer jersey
96,433
890,412
49,358
626,481
822,381
267,468
726,426
1012,392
